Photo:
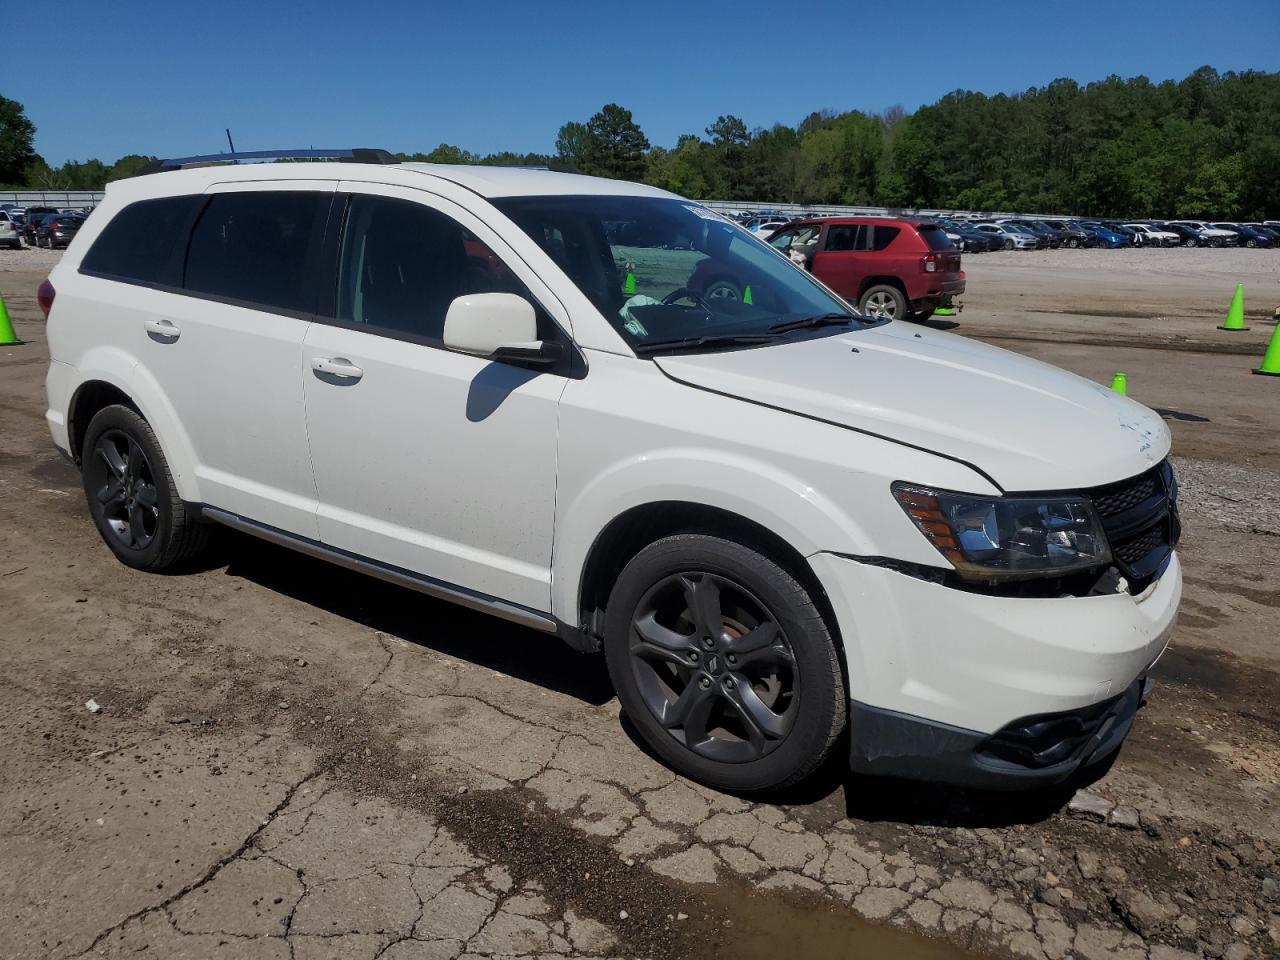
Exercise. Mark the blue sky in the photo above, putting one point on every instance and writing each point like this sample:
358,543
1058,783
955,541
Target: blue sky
166,78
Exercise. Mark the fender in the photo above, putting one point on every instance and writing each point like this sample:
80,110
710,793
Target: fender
755,490
123,371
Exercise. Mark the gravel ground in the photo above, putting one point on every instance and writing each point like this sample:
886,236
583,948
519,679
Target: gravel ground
28,259
293,761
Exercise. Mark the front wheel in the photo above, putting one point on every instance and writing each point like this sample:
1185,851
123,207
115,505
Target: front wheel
131,494
1251,243
721,290
883,302
724,664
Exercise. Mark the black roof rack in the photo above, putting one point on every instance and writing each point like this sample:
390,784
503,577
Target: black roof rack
348,155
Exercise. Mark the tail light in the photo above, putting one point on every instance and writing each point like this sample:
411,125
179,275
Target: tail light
44,297
931,263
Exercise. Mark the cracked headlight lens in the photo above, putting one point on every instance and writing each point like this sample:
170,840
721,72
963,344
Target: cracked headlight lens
1007,538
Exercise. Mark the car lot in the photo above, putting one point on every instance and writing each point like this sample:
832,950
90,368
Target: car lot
290,759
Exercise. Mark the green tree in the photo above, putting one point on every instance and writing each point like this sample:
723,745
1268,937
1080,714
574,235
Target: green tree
17,138
575,146
616,145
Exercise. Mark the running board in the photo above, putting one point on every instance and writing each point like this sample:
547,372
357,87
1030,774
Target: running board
397,575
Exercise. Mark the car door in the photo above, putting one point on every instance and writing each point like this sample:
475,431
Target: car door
425,459
227,348
840,258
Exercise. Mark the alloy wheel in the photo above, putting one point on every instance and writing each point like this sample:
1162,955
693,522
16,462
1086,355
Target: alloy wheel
126,489
714,667
882,306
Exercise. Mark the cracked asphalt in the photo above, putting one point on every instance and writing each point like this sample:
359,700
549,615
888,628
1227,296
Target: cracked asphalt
294,761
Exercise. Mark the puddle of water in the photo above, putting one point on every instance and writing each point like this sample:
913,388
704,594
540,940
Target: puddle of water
767,926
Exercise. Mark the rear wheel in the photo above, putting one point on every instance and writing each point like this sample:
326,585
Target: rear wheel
131,494
884,302
724,664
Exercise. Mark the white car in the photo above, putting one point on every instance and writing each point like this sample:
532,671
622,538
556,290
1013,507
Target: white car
778,520
9,233
1153,237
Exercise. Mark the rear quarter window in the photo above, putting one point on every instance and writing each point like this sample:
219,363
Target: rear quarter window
144,242
882,236
936,238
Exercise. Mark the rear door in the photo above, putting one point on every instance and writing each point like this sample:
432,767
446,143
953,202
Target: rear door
227,350
840,262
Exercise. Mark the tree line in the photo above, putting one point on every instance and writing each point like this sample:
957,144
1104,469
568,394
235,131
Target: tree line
1204,146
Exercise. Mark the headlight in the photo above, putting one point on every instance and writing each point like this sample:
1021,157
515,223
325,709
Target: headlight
1007,538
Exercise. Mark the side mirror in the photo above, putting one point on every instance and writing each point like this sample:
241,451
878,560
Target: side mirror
498,326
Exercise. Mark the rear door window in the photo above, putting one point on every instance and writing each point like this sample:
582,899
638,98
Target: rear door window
144,242
258,249
842,237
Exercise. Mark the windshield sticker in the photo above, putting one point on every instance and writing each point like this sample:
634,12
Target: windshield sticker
704,213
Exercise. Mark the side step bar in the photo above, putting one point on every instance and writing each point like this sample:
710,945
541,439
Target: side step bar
397,575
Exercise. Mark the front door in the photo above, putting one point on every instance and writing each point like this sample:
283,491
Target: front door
426,459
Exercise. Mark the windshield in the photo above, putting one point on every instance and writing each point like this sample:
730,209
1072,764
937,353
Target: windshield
666,270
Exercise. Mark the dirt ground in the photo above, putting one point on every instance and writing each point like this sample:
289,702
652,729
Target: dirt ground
294,761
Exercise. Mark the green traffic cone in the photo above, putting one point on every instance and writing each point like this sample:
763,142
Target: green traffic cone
945,312
1271,359
629,285
1235,312
7,336
1120,384
746,296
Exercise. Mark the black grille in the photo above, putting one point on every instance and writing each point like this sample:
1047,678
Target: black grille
1140,517
1119,497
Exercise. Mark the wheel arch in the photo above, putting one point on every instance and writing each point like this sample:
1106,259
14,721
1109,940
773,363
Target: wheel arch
635,528
888,280
109,376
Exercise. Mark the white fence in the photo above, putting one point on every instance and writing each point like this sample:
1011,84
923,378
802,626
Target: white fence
52,198
792,210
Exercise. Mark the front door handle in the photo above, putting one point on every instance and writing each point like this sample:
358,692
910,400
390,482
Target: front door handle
339,368
165,331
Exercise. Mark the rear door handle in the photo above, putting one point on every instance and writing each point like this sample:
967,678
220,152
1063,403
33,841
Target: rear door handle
338,367
164,331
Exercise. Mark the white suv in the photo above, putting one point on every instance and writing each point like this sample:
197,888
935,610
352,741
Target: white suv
780,521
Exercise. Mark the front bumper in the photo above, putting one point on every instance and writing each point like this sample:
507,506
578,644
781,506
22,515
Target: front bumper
969,665
1036,751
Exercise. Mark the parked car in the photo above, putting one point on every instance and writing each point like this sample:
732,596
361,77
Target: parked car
766,228
34,215
1070,236
58,230
1209,236
1246,236
893,269
964,238
9,235
777,520
1011,236
1155,238
1105,236
1272,232
1187,236
1051,237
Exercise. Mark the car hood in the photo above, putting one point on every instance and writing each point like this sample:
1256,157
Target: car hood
1026,424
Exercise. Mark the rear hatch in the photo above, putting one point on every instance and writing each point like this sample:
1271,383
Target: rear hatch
944,251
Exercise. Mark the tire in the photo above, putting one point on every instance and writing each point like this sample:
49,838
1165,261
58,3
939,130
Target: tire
1191,241
1008,244
883,302
1251,243
679,660
134,502
1073,243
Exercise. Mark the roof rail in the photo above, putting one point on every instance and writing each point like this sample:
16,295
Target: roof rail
347,155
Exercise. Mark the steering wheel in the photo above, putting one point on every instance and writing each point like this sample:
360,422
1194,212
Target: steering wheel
684,293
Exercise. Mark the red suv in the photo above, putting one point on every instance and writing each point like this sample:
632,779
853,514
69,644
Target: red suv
901,269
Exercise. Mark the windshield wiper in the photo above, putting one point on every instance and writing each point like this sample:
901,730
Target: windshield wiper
820,320
704,343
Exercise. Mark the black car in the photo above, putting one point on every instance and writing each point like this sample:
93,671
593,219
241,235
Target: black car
1070,236
1186,236
58,229
971,240
33,217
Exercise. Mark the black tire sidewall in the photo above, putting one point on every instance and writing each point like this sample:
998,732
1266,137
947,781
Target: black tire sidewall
821,684
129,422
